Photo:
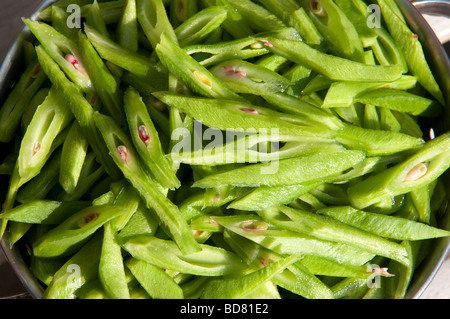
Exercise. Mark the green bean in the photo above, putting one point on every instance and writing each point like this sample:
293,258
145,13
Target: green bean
44,211
140,223
136,63
59,22
103,81
328,229
145,139
244,77
284,242
396,228
237,116
16,103
127,30
412,50
336,68
240,287
37,100
257,17
111,267
377,142
63,51
73,155
336,97
209,261
157,283
80,107
82,267
51,117
264,197
40,186
152,17
242,48
127,160
68,236
335,26
194,75
181,10
420,169
309,112
292,171
197,28
295,278
401,101
90,173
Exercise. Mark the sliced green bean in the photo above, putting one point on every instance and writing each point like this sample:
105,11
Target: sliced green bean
111,270
44,211
209,261
245,77
146,140
63,51
295,278
335,68
69,236
154,20
258,17
157,283
136,63
232,115
377,142
244,48
401,101
103,81
90,173
285,242
73,155
197,28
344,94
239,287
337,29
81,268
80,107
293,171
329,229
126,158
19,99
51,117
197,77
420,169
412,50
396,228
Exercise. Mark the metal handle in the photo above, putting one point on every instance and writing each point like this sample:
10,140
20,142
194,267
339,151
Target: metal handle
437,14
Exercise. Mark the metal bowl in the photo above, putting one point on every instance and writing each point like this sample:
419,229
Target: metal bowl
438,60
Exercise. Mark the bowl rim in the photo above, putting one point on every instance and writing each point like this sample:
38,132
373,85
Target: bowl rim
440,65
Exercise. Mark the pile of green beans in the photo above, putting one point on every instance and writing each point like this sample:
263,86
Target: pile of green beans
329,188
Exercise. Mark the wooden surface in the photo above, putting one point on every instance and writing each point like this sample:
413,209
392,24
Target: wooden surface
11,24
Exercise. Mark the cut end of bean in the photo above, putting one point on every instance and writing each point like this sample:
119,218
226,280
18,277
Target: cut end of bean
417,172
